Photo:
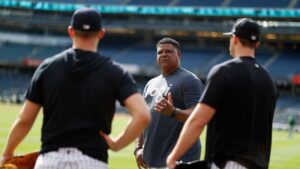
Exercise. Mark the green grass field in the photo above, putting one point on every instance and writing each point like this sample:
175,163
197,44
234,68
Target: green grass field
285,152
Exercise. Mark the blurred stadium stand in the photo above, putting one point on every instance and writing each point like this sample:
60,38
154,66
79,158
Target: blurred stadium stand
150,3
31,31
261,3
199,3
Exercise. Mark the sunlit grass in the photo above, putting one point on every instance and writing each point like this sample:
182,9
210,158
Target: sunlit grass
285,152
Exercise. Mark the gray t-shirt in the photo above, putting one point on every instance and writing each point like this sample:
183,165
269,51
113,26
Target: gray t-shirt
162,133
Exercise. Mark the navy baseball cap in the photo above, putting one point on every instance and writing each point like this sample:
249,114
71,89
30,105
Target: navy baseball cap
86,19
245,28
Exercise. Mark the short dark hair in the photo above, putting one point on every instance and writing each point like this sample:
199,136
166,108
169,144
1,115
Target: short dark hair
169,41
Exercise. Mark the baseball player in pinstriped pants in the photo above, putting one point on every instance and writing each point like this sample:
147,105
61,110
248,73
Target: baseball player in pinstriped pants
238,105
77,90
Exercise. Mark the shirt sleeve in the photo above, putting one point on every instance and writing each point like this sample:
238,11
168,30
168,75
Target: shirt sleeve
126,87
215,88
192,90
34,90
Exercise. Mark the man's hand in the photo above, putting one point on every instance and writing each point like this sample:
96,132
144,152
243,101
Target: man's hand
140,118
171,163
138,153
110,141
4,159
164,106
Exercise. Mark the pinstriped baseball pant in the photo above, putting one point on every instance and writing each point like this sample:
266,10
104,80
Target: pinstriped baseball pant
68,158
229,165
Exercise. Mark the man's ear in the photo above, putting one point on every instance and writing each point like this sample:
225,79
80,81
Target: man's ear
235,39
71,31
257,44
179,53
101,33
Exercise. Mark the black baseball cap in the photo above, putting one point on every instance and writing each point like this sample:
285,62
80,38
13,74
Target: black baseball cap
245,28
86,19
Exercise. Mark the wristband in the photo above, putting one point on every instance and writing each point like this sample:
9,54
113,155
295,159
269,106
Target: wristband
137,149
174,113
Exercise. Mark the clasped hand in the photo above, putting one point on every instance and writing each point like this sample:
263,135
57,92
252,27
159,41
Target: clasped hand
165,106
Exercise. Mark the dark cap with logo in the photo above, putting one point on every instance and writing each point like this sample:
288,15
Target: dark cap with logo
245,28
87,20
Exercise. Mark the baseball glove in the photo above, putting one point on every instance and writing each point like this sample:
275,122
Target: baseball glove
26,161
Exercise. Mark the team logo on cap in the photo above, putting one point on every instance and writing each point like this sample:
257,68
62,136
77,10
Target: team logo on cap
253,37
86,27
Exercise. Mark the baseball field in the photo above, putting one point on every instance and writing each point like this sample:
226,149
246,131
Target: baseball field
285,151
